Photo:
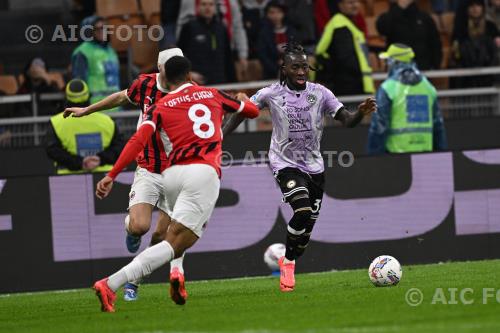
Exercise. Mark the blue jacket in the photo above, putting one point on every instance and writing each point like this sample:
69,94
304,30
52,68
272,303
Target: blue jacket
379,127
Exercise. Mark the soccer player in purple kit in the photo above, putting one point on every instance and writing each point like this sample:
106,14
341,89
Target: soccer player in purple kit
297,109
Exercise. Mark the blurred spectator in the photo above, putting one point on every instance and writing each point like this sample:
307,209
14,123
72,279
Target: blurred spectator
342,54
253,13
494,16
96,62
440,6
37,80
322,14
83,8
229,13
204,40
325,9
88,144
474,45
494,12
300,16
272,39
169,13
405,23
408,118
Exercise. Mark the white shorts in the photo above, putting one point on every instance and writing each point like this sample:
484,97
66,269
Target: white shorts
191,192
147,188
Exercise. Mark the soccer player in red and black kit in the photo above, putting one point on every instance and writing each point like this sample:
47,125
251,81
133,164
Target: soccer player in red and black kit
147,189
190,117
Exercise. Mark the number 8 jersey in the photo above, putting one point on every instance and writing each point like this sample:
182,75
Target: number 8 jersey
189,120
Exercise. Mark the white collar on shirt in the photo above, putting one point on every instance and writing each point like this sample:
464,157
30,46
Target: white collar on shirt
184,86
158,85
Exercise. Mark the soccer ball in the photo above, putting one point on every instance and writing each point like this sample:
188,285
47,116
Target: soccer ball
385,271
273,253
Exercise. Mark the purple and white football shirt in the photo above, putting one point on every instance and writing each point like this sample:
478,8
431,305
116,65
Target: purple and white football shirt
297,124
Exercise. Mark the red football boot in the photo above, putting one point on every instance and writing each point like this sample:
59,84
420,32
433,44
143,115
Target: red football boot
106,295
178,292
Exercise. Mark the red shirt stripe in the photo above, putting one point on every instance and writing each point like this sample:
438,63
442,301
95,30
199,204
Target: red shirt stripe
144,93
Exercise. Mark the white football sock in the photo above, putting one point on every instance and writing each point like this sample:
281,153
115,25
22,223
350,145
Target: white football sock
177,263
144,264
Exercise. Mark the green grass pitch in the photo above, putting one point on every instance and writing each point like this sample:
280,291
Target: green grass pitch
325,302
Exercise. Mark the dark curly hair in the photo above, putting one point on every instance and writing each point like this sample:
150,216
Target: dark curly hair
292,48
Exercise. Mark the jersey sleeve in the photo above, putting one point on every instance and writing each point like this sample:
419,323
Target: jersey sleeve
260,97
137,142
133,92
232,105
134,145
330,103
229,104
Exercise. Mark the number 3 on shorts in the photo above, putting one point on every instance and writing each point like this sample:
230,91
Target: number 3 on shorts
209,129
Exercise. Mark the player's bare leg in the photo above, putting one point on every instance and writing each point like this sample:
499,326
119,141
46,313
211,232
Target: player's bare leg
178,239
137,223
178,291
161,228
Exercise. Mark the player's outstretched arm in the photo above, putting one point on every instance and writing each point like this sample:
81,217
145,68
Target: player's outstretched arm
134,145
232,123
112,101
351,119
250,111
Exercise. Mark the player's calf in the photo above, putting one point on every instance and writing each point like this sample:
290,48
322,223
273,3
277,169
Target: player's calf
295,230
303,240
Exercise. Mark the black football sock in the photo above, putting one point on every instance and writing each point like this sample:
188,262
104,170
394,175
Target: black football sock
291,246
303,240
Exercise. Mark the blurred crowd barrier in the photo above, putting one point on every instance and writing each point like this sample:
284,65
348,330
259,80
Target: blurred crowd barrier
464,103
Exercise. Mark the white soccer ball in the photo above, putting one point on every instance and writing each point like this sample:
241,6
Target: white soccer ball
385,271
273,253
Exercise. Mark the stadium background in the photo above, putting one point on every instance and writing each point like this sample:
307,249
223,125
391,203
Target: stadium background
33,238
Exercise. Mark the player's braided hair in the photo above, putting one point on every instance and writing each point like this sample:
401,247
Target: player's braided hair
292,48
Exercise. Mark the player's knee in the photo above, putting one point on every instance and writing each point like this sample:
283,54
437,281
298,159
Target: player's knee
303,216
137,225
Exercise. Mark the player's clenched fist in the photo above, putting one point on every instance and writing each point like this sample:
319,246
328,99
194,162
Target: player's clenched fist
368,106
104,187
